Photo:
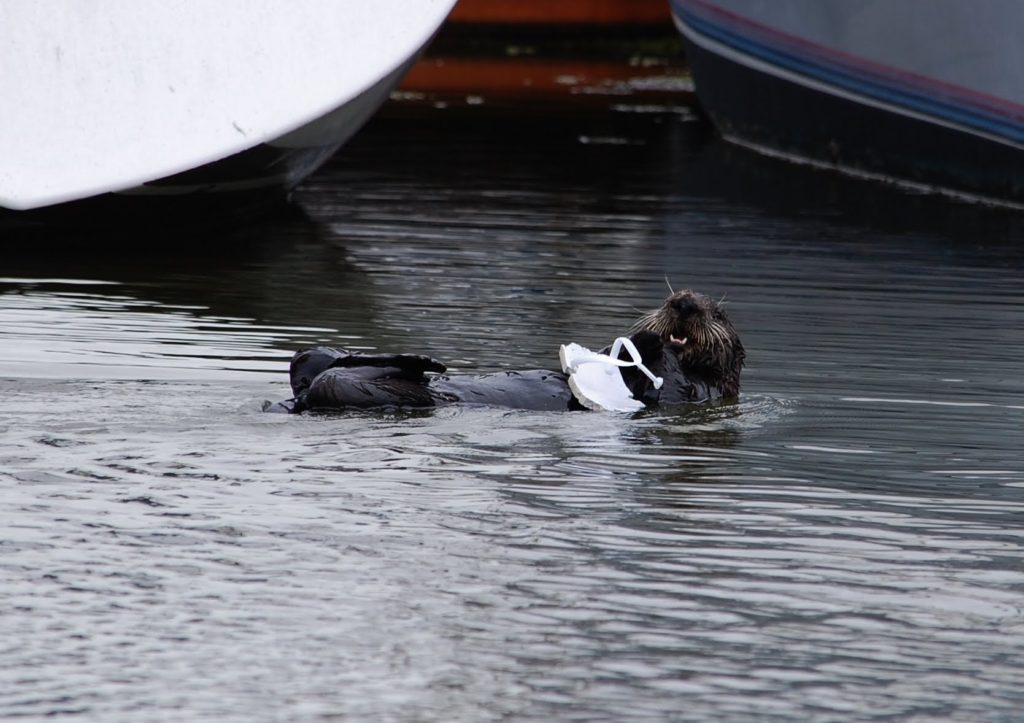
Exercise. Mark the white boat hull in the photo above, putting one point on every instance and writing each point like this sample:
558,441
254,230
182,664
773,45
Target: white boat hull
146,96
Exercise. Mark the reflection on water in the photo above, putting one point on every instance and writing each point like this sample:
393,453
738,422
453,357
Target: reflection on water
76,334
843,543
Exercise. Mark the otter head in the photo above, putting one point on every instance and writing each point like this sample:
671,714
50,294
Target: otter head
697,330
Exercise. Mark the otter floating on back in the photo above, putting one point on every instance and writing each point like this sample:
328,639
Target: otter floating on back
688,342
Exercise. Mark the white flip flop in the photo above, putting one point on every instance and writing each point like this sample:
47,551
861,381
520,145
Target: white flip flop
595,380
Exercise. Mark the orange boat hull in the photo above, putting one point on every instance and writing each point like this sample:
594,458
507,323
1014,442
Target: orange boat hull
562,12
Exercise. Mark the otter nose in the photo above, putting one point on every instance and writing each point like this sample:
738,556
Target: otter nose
685,305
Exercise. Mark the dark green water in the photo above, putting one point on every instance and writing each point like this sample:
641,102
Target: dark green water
846,542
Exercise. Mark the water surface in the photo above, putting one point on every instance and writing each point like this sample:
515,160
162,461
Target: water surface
845,542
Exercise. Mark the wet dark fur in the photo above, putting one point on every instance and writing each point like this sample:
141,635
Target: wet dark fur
688,341
707,366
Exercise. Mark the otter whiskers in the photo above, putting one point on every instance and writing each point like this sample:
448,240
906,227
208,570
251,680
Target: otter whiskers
653,321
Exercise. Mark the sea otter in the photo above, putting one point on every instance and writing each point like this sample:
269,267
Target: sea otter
688,341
